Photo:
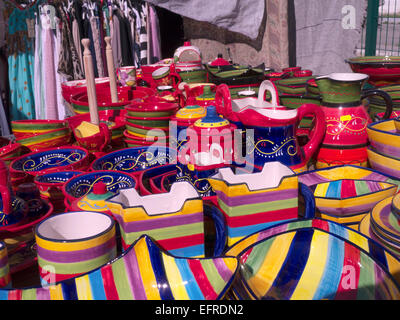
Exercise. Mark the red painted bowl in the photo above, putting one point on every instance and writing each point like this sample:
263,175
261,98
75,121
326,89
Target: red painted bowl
381,69
71,88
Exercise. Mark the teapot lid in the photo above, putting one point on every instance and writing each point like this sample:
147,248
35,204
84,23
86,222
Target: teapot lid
219,61
93,200
191,112
211,120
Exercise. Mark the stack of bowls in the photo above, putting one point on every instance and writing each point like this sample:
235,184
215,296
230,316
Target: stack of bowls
382,224
10,150
148,122
384,151
293,85
41,134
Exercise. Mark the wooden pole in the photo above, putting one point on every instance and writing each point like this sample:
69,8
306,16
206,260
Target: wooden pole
111,70
90,82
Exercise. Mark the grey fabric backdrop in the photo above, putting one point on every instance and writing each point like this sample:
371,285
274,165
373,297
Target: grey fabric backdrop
243,16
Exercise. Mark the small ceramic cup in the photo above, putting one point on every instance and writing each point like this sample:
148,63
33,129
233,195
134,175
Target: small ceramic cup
5,277
127,76
73,243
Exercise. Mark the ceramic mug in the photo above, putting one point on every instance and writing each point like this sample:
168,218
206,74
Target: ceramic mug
73,243
127,76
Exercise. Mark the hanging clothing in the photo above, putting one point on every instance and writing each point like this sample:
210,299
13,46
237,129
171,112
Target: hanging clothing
116,42
143,40
20,45
155,35
95,30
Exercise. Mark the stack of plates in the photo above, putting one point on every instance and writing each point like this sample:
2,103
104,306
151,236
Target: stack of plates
382,224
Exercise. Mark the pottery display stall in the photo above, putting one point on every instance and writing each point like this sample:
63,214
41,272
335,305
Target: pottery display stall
316,270
346,138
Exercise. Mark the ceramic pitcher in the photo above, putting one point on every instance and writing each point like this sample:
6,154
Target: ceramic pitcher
271,136
346,117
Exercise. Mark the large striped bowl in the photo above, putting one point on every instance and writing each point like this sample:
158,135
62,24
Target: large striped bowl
348,201
384,163
73,243
143,272
314,259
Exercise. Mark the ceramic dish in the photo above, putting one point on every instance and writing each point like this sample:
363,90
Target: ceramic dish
80,185
131,160
50,160
384,138
318,255
346,197
383,163
47,139
385,223
160,277
381,69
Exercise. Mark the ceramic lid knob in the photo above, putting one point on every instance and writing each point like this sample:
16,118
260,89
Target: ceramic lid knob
100,188
211,120
187,43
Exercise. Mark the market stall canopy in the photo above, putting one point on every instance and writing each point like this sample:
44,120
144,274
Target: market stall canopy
232,15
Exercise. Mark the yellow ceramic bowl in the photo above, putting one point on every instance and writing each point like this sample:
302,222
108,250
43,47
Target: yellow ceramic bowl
384,163
384,137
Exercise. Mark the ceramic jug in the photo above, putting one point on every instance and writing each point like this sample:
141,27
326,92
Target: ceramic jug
271,135
346,138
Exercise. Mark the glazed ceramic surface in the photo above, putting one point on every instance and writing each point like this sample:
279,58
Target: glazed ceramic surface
383,163
176,225
252,202
74,243
348,201
160,276
5,277
346,137
51,160
313,260
132,160
80,185
384,137
382,70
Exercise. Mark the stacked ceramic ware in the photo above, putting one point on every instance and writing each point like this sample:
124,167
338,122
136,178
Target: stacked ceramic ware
148,122
384,149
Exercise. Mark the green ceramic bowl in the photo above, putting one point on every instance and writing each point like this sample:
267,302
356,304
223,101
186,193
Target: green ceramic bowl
193,76
142,131
148,122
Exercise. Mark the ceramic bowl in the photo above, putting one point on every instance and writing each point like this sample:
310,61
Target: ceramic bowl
50,160
329,174
47,139
70,88
80,185
384,138
134,160
150,180
50,185
25,128
296,260
380,69
11,150
146,131
348,201
384,163
74,243
133,143
151,109
160,277
293,86
80,101
148,122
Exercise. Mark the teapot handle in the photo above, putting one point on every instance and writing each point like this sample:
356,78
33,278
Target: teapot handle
106,133
385,96
223,102
267,85
319,129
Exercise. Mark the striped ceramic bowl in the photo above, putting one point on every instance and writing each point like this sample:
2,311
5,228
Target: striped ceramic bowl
70,244
314,259
384,138
143,272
